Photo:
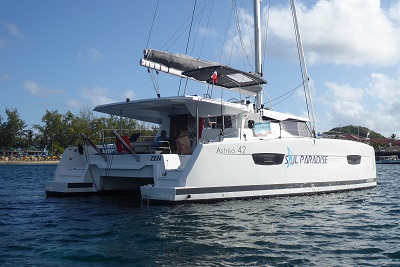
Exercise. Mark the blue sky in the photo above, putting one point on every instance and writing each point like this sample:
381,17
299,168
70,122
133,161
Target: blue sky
69,55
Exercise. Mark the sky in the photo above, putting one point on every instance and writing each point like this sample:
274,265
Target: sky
73,55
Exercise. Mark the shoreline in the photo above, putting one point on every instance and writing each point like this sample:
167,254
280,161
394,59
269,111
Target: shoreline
21,162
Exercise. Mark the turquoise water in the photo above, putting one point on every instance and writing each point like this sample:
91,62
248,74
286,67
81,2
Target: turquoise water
359,228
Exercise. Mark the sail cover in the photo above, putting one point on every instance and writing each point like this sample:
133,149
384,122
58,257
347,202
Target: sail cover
201,70
176,61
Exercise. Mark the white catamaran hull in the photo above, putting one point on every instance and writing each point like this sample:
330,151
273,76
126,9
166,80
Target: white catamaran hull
238,169
223,171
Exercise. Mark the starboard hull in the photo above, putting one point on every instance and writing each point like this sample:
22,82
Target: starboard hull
305,166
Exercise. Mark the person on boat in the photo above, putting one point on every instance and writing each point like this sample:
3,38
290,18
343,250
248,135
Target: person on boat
163,136
183,146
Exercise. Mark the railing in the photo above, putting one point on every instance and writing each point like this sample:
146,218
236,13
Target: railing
126,146
142,145
106,135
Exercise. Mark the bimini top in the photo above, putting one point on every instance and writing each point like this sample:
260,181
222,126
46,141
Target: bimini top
154,109
201,70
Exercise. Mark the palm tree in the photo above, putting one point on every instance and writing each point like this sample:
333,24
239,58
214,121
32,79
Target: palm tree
393,136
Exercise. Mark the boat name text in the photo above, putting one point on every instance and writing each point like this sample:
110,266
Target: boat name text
230,150
305,159
291,159
155,158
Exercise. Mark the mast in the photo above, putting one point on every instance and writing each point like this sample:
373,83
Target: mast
257,41
304,68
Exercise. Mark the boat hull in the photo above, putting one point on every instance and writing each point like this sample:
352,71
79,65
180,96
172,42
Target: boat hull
304,166
222,170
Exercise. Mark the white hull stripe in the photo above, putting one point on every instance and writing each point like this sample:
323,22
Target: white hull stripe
226,189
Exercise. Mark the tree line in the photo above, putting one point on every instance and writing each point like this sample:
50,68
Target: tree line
356,130
58,131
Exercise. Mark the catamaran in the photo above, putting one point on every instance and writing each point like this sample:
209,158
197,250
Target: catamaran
238,148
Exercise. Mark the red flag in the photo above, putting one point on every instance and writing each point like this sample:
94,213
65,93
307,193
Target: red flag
214,77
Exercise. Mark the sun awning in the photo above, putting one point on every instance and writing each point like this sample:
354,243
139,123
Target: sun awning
201,70
226,76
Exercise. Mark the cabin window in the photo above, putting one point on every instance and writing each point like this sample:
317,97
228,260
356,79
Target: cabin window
268,158
216,122
296,128
353,159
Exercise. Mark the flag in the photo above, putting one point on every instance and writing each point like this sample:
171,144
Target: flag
214,77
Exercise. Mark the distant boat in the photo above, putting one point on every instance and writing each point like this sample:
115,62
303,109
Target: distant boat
238,149
392,159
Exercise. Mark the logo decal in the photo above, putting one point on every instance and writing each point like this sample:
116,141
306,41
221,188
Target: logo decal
291,160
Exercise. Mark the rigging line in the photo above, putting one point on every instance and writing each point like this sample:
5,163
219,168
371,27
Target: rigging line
190,29
269,99
152,23
240,36
162,48
153,81
155,77
292,92
289,92
208,21
89,167
230,55
198,29
223,43
177,31
268,5
248,28
242,43
157,86
187,45
186,83
300,63
179,88
221,132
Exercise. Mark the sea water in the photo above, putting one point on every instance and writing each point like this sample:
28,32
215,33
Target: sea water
355,228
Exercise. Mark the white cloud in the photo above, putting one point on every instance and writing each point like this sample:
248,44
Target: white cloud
345,92
92,55
75,104
97,95
208,32
13,30
384,88
40,90
377,106
130,94
394,12
344,101
357,32
240,45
